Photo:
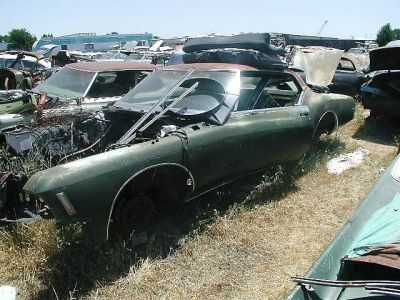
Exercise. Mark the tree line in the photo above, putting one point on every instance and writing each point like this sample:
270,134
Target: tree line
386,34
20,39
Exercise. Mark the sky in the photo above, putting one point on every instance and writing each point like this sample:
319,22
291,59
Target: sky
346,18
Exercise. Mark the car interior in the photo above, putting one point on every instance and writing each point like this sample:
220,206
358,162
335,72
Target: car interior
266,92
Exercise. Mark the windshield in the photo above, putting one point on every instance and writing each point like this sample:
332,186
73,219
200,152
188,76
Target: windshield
114,55
68,83
356,51
135,56
210,90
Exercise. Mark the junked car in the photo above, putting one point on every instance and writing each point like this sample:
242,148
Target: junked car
362,261
348,77
94,82
313,62
82,87
27,62
22,70
183,131
381,92
361,54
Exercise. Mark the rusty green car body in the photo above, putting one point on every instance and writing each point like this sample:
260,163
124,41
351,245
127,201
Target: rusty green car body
233,121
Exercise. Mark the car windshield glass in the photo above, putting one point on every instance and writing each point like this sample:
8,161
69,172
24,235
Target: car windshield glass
211,88
67,82
356,51
114,55
8,62
135,56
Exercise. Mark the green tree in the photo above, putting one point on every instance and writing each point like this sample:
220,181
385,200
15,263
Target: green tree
3,38
385,35
20,39
397,32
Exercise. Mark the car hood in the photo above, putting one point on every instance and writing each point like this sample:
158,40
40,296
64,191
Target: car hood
319,64
385,58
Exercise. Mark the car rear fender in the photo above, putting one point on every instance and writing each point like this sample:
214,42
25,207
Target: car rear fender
176,179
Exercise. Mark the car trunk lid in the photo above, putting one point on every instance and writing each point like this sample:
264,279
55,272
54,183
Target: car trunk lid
385,58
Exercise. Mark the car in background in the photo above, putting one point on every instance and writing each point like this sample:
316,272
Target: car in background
362,57
381,92
32,63
82,87
22,70
348,77
94,82
345,79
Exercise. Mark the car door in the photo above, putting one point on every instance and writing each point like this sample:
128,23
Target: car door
249,141
208,153
274,128
252,138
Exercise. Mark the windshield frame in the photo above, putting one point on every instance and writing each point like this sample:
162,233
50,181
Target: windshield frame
139,107
229,79
132,105
95,74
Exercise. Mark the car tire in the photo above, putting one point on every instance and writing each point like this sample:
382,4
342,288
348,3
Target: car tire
134,215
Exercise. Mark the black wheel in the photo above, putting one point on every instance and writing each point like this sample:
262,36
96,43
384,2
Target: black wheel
134,214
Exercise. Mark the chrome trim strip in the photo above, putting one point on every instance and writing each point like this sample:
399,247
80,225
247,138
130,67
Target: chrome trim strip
325,113
137,174
395,172
264,110
65,202
90,84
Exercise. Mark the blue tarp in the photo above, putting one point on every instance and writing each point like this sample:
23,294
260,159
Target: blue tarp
381,229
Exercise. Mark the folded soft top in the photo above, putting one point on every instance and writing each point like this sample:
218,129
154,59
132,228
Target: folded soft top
236,56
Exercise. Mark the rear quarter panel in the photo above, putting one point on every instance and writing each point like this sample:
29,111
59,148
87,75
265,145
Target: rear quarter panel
320,103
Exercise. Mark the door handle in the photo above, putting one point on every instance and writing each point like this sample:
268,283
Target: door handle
304,114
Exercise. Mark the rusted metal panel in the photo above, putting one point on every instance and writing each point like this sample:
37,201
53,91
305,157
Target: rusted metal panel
387,260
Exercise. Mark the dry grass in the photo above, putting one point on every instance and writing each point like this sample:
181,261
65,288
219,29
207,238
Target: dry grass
244,242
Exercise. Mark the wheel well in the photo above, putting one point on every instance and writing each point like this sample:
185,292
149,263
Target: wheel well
163,184
327,123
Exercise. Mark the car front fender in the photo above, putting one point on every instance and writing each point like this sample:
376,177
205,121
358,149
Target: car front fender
85,189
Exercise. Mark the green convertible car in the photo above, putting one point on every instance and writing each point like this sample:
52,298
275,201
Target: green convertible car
185,130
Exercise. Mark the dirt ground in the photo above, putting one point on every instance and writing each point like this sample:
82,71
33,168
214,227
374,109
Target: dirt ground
243,242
